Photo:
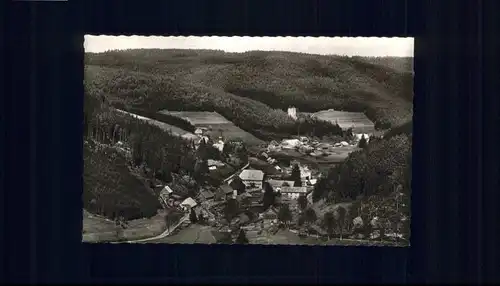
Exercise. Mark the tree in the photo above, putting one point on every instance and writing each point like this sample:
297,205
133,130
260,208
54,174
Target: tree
362,142
242,152
320,189
192,216
302,202
242,238
269,198
231,209
295,176
301,220
310,215
121,225
342,217
330,223
284,214
238,185
228,149
137,153
201,218
367,226
200,170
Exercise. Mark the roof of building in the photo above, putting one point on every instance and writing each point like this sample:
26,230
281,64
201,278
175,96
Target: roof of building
270,213
243,196
207,194
279,183
226,188
166,191
252,175
189,202
212,162
301,190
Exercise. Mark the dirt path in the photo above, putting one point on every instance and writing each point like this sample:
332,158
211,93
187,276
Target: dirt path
161,235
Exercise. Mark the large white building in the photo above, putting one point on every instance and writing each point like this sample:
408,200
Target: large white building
252,178
292,112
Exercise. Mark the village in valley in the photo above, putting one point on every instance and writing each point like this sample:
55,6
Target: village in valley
269,200
175,153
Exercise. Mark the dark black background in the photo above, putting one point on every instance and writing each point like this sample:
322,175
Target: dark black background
455,169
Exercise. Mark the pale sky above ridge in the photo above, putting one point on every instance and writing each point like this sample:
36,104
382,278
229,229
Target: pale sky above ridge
355,46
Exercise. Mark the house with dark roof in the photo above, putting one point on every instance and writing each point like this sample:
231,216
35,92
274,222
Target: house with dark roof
280,183
252,178
270,215
206,195
224,192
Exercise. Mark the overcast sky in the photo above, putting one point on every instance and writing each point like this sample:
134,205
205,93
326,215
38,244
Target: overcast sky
358,46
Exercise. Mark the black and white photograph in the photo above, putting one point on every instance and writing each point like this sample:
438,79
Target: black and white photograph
247,140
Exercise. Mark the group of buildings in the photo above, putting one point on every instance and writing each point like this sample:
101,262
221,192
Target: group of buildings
177,197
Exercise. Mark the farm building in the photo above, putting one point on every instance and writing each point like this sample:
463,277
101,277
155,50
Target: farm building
252,178
188,204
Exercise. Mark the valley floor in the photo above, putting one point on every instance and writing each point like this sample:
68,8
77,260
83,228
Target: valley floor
100,229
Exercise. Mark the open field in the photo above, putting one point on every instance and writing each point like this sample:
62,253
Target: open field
189,235
199,117
337,156
99,229
164,126
287,237
264,166
217,124
357,120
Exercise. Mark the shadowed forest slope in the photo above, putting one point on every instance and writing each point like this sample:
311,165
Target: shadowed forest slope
253,89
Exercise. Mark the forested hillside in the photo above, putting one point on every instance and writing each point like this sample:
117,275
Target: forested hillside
376,179
252,89
123,155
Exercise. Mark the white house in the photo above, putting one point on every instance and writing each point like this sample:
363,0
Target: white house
219,145
198,131
252,178
290,143
360,135
188,203
292,112
165,195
